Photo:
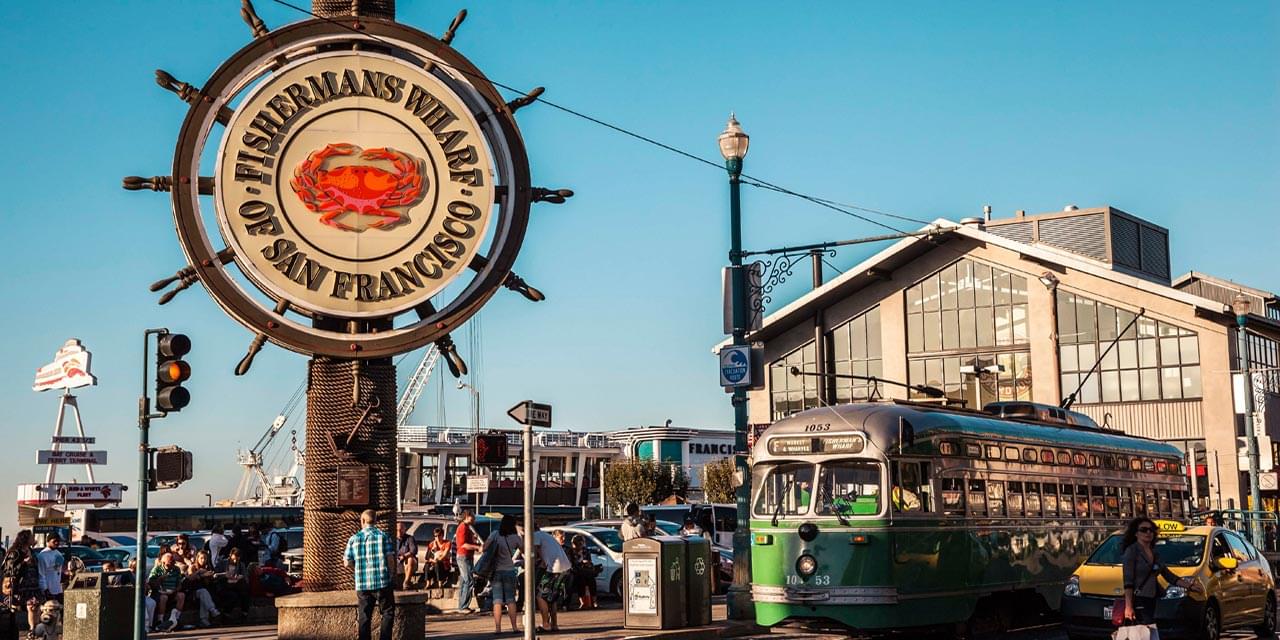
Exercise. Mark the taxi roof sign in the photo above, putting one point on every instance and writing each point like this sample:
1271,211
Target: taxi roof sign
1170,526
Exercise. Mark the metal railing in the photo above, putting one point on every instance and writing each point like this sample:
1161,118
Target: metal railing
461,436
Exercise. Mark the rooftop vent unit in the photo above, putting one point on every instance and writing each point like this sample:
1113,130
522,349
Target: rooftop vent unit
1038,412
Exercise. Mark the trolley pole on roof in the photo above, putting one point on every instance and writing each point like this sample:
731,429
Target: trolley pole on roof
733,146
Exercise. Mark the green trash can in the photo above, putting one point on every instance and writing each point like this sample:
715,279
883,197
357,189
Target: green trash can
700,567
654,591
92,610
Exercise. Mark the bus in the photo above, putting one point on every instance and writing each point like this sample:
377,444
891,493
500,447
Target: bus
889,515
121,521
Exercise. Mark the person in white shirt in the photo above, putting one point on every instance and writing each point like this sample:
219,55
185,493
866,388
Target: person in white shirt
216,543
51,564
632,525
552,578
690,527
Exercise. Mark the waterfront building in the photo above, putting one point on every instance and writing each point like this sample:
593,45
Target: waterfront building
1023,309
435,463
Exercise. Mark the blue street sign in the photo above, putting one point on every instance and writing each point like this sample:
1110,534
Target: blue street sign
735,366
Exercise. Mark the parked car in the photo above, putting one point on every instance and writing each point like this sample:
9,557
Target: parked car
118,555
81,558
1238,590
722,555
605,545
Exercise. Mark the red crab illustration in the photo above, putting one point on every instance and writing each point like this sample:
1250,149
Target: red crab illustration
360,188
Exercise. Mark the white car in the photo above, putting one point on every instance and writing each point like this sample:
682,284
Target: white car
605,545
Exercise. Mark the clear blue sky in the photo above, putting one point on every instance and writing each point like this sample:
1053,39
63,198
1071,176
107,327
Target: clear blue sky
1166,110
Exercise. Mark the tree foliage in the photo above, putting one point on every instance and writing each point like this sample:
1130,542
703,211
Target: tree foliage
717,481
643,482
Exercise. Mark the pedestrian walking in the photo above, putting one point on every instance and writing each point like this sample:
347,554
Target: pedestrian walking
1139,567
467,543
553,577
632,525
22,577
371,555
504,544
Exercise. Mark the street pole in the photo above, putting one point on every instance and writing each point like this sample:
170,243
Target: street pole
144,456
530,597
733,146
1240,305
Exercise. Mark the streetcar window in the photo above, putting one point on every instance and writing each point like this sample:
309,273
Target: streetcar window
1065,507
1028,455
1126,502
1082,501
1162,466
1033,499
1015,499
953,496
1097,502
1135,464
1050,499
1151,502
1177,504
853,489
1064,457
1046,456
1148,464
977,501
1011,454
785,488
993,451
1165,509
1094,462
972,450
1078,459
995,497
1112,502
947,448
913,479
1108,462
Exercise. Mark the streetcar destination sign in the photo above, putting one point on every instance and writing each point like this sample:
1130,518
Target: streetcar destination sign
354,184
804,445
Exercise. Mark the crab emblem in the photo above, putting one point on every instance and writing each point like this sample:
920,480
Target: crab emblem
363,189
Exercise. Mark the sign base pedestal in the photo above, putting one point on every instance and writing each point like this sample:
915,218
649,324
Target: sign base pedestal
331,615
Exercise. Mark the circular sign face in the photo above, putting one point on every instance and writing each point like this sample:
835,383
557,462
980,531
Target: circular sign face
353,185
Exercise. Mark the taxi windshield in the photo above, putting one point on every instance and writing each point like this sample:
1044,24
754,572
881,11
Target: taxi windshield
1175,550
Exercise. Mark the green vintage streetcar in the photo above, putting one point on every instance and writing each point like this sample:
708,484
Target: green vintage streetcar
891,515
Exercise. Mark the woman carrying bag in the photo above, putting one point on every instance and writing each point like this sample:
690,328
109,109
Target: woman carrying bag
502,547
1140,564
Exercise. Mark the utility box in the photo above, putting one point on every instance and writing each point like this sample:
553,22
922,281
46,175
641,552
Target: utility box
92,610
654,578
700,568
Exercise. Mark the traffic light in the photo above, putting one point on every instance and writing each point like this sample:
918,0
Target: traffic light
489,450
172,467
172,371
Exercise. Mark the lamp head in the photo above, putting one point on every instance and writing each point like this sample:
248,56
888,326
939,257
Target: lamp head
733,141
1049,280
1241,304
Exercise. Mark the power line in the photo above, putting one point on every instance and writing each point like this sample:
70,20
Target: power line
834,205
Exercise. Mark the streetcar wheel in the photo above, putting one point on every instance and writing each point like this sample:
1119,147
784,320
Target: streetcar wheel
1267,629
1211,624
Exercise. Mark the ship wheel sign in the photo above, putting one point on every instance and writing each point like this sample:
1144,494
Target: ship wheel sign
369,185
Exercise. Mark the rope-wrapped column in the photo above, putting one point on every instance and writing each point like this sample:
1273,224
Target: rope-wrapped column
338,392
385,9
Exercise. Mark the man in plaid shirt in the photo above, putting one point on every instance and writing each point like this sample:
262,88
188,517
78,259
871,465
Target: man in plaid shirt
371,554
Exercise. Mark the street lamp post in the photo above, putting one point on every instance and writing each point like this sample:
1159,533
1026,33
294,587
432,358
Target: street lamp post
1240,305
733,146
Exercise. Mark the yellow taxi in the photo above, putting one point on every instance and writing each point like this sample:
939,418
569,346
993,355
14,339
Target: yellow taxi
1237,588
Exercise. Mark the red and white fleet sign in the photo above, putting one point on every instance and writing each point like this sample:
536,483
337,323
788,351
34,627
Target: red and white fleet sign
69,369
65,493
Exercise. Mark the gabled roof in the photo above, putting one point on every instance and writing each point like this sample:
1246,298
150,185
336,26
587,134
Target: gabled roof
869,271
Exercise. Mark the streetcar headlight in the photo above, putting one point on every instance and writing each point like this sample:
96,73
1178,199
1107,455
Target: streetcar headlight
1073,587
806,565
1174,592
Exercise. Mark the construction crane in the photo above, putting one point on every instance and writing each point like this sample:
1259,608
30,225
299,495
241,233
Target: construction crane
417,381
256,487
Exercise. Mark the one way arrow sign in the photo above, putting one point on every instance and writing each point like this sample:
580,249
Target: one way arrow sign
531,413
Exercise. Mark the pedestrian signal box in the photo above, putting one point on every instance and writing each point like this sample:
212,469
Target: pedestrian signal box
171,467
489,449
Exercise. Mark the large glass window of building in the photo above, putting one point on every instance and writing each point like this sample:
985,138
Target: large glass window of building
855,350
967,333
788,393
1153,360
1264,360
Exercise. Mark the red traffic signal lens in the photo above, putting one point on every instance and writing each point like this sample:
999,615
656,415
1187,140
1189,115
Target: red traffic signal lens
173,345
174,371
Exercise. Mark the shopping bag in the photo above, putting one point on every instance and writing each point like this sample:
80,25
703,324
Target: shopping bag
1136,632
